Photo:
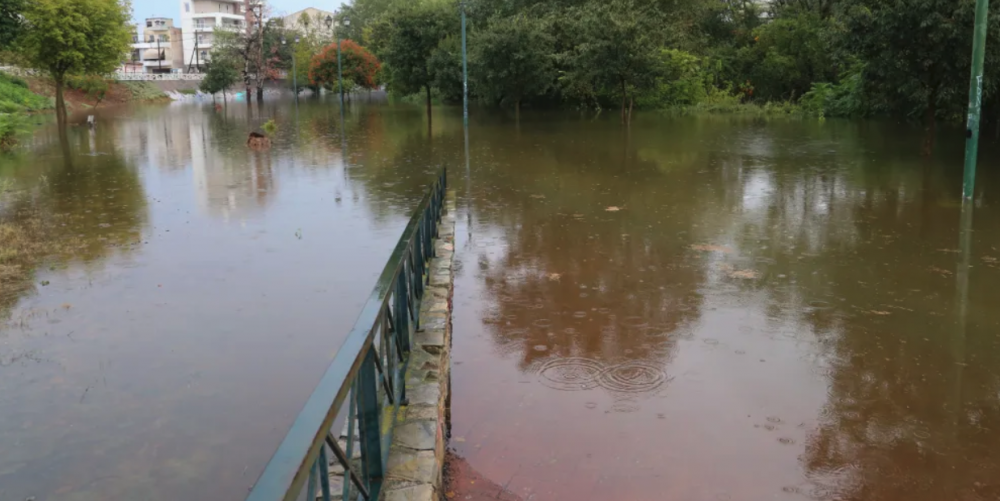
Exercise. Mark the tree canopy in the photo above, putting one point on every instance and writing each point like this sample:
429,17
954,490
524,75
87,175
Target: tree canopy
64,37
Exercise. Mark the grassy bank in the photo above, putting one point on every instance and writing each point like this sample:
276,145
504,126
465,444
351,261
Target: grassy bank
16,96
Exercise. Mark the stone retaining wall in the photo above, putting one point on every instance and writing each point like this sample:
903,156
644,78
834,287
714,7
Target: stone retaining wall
416,460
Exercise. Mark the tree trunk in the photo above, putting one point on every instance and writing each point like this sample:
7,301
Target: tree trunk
428,88
517,109
929,123
60,104
624,97
260,93
631,101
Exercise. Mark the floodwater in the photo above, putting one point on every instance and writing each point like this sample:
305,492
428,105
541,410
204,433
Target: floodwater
691,309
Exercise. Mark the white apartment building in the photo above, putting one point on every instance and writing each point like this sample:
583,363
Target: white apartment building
158,50
199,18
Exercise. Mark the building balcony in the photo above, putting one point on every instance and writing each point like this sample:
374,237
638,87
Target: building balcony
224,15
157,64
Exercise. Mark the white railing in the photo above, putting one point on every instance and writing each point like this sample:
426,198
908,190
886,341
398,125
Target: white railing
156,76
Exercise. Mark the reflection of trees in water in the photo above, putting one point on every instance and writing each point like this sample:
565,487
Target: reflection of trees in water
565,276
81,210
862,249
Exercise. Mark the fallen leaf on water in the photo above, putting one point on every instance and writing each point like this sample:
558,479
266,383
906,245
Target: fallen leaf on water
989,259
939,270
613,209
746,274
878,312
537,196
711,248
554,276
458,439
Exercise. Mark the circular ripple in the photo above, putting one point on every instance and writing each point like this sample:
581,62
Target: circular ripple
634,322
571,374
632,377
542,322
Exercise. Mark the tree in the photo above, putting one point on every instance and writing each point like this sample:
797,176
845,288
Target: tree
412,36
512,59
787,55
360,67
221,74
66,37
618,49
917,56
445,64
10,21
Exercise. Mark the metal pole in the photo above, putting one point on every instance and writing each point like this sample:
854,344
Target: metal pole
975,99
340,74
465,75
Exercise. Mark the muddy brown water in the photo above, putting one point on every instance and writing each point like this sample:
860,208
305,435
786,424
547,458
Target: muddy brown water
694,308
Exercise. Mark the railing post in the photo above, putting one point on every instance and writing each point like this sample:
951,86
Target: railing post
370,426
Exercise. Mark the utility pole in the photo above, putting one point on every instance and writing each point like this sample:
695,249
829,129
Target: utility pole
975,99
159,57
465,74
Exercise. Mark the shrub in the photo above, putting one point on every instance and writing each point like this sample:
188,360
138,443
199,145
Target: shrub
96,87
12,125
15,96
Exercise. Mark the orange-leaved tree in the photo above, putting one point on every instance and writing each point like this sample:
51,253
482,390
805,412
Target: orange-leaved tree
360,67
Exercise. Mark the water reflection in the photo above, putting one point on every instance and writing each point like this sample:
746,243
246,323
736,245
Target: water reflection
187,292
760,310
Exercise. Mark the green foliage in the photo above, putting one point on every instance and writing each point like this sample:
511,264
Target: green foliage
15,96
786,56
66,37
144,91
408,41
513,59
270,127
842,99
304,53
12,126
94,86
618,49
686,79
219,76
445,64
11,23
917,55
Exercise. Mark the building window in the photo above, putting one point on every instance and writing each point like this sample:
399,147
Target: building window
149,24
187,7
204,54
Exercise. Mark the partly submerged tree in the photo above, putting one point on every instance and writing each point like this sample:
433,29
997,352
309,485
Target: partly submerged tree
220,75
360,67
512,59
64,37
410,37
618,49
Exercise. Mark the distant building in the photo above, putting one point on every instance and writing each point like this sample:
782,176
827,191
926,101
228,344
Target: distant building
199,19
312,21
158,50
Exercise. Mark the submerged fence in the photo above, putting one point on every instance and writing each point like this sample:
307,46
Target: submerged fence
367,374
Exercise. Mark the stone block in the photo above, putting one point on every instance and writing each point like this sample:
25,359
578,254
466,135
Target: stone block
422,492
415,466
418,435
417,412
430,337
424,394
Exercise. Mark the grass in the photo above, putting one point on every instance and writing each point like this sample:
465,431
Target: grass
144,91
16,97
190,92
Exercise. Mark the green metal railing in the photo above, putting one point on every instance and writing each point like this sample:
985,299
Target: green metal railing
368,374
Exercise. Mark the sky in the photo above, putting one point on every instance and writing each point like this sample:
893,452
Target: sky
141,9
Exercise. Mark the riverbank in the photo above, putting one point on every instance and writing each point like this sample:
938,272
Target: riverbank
31,94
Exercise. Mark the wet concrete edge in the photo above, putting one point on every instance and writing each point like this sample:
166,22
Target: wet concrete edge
416,460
